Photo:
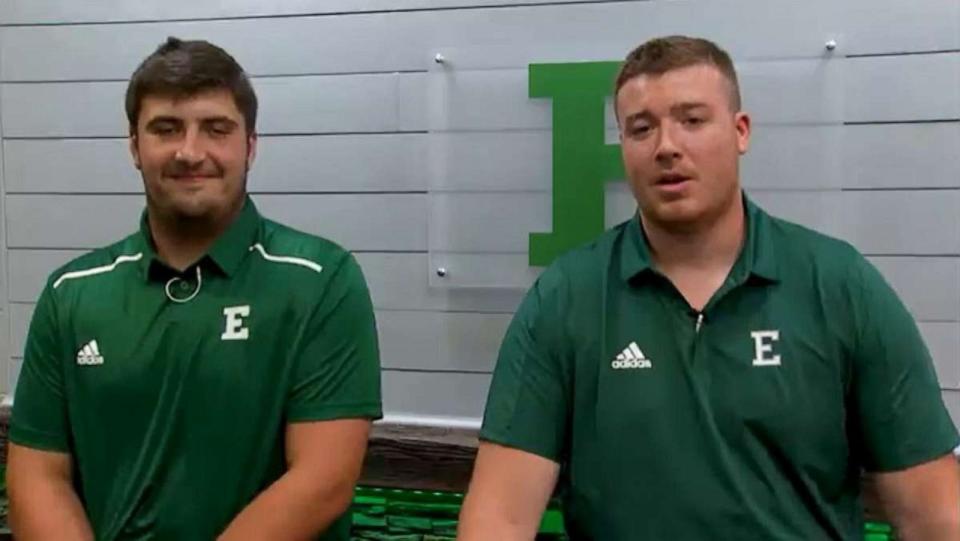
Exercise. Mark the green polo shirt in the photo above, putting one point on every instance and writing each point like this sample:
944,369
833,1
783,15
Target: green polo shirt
750,420
175,410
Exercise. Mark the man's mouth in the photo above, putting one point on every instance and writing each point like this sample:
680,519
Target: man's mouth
671,179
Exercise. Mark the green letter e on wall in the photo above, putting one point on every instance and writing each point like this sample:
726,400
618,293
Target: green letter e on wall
582,162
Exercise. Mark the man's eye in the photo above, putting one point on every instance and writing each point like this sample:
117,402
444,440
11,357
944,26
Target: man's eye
220,129
163,129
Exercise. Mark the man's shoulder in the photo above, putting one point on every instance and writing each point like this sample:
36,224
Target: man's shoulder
798,246
299,251
100,262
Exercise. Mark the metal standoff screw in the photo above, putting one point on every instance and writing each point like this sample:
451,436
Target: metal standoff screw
439,58
441,271
831,44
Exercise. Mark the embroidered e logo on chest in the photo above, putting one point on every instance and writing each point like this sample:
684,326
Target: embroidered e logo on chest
234,325
763,342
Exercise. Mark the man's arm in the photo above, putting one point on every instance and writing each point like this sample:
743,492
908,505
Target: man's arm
334,395
923,501
43,503
898,414
508,494
324,460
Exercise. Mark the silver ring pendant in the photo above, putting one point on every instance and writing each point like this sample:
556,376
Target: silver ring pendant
174,280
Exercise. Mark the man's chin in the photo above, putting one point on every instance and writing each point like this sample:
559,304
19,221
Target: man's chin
192,209
680,215
680,208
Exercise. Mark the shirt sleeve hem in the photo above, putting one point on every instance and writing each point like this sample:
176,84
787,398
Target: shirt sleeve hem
902,461
493,436
35,439
365,410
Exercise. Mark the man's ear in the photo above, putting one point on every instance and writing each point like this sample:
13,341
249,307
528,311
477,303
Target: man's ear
134,150
251,149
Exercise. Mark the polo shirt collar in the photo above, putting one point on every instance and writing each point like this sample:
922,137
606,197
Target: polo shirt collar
756,259
227,251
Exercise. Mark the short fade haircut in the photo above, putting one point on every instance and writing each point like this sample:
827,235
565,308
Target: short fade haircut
181,69
660,55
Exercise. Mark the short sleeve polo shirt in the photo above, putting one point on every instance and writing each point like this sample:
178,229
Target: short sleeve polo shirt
172,390
749,420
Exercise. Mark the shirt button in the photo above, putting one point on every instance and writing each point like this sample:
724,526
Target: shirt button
184,285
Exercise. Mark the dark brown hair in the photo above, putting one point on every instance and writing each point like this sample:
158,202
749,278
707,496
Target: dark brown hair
181,68
660,55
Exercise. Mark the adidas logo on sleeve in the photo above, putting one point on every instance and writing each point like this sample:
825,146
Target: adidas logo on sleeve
631,357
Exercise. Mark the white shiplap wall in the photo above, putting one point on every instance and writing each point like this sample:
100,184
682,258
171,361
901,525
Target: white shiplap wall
367,141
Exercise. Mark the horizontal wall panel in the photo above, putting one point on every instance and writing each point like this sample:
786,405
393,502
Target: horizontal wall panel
928,286
376,41
884,222
328,104
897,222
943,341
951,399
70,165
818,210
775,92
486,274
405,41
490,161
887,88
800,91
486,222
794,157
30,269
871,27
485,100
452,341
70,221
63,109
445,394
357,222
13,372
412,101
334,163
853,90
27,12
922,155
20,315
780,157
274,46
288,105
6,350
902,221
406,282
